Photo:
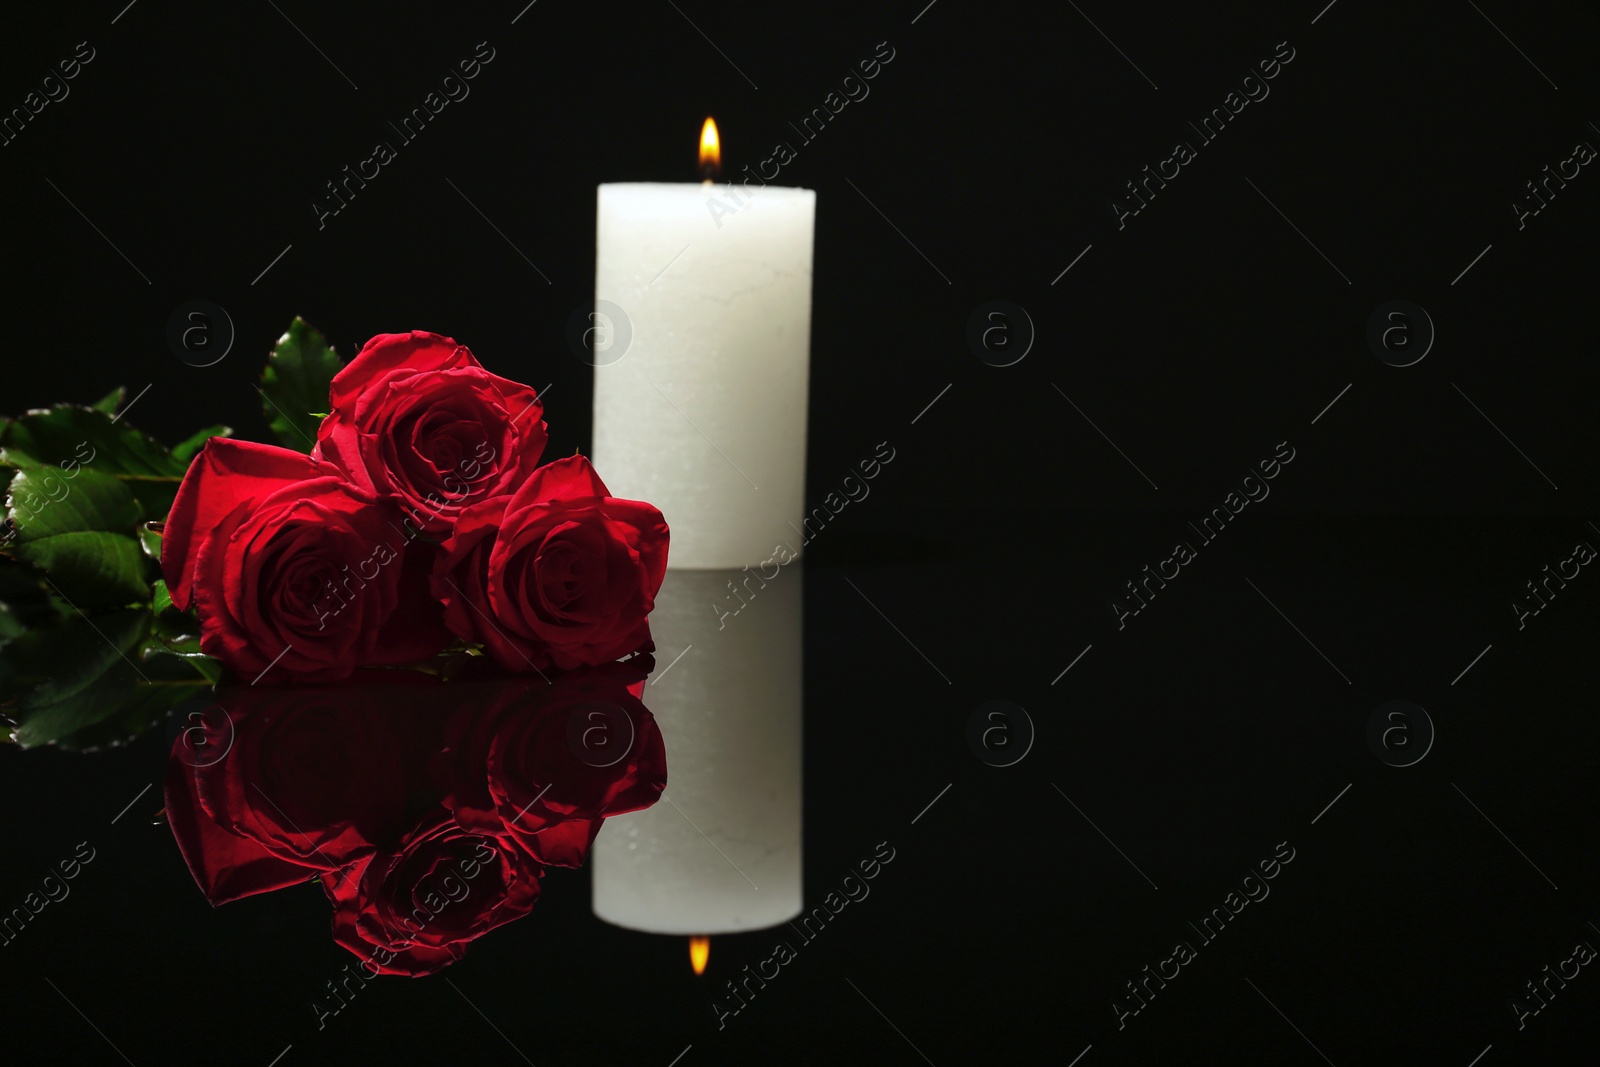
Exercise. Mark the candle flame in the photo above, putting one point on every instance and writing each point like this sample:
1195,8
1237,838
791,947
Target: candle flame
700,947
710,150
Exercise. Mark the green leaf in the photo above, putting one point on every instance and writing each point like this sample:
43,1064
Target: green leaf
295,383
111,401
84,685
10,625
160,597
185,450
69,435
12,457
179,631
73,437
25,600
79,530
150,542
194,661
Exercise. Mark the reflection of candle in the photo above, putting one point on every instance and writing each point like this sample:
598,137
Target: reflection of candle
704,413
720,852
699,953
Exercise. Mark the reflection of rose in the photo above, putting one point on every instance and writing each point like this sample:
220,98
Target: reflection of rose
428,809
290,566
226,865
415,416
412,910
559,572
560,758
586,749
317,777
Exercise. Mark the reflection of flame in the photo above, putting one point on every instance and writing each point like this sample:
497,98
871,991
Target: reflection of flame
710,150
700,947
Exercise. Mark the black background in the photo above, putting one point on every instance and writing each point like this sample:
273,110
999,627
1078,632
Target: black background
1197,338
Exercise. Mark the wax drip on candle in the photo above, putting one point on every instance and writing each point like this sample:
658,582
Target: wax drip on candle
710,152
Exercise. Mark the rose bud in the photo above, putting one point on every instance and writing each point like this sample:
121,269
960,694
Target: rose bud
559,573
415,416
290,566
412,910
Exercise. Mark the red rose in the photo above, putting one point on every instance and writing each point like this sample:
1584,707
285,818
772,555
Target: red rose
412,910
558,573
414,415
289,565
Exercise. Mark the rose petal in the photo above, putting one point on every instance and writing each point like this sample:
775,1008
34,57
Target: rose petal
226,473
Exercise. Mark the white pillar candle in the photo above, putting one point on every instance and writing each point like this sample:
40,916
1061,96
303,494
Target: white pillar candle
721,854
704,414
